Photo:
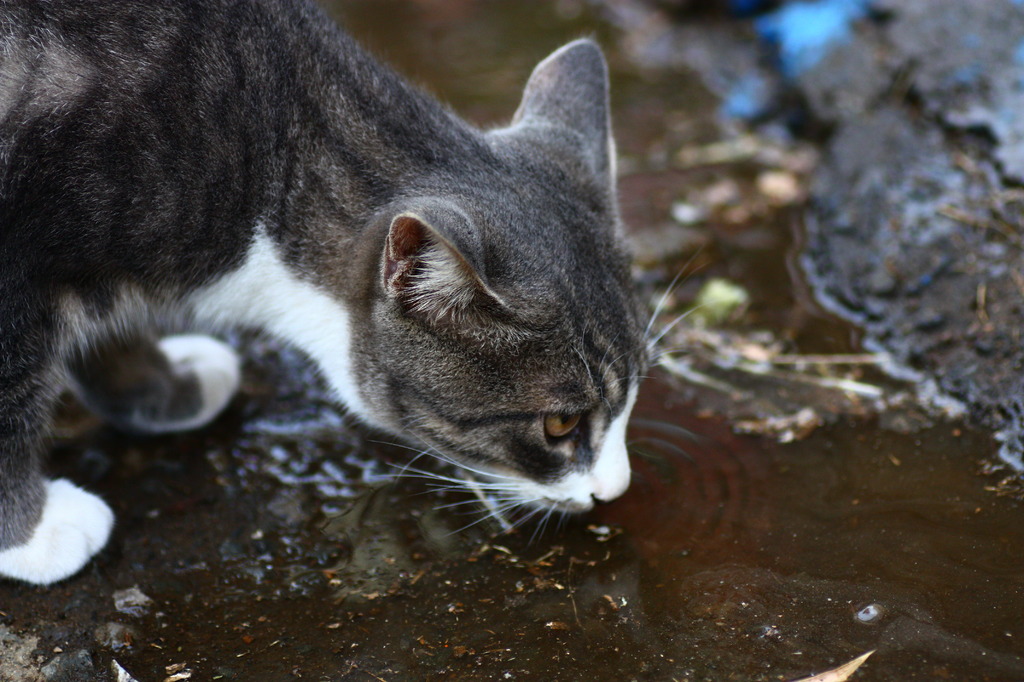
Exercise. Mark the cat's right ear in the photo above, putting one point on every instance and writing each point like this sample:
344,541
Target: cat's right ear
431,268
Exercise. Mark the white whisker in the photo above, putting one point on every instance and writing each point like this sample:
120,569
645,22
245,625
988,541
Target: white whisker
654,342
668,292
463,503
495,514
538,530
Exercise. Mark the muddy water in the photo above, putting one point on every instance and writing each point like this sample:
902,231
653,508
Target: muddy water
276,547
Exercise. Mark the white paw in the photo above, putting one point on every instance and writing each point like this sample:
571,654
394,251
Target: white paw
217,367
74,526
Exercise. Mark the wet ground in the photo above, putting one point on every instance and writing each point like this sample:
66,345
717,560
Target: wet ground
277,546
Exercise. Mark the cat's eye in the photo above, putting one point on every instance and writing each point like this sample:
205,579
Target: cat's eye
561,425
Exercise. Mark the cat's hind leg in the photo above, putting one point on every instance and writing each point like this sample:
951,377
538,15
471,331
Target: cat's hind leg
178,383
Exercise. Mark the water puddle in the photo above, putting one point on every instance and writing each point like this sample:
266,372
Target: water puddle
278,546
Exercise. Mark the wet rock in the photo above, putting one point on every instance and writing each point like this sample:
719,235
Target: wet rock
916,205
69,667
120,674
930,320
969,63
867,80
881,282
132,601
985,347
915,212
921,202
17,661
115,636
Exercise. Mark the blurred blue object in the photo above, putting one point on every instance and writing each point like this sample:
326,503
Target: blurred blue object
805,31
748,98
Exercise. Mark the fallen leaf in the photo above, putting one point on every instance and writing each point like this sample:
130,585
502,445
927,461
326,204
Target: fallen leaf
785,429
840,674
180,672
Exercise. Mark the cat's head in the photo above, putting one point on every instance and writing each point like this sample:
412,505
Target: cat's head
505,333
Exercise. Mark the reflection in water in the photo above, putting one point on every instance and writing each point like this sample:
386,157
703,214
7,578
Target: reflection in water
709,484
813,540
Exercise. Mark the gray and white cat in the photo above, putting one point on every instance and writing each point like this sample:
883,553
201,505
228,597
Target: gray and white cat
203,164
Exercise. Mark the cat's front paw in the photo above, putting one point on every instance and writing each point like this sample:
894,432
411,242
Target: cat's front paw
215,366
74,526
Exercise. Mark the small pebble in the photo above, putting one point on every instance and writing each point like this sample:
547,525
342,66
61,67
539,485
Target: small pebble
870,614
132,601
69,667
687,214
115,636
779,187
722,193
120,674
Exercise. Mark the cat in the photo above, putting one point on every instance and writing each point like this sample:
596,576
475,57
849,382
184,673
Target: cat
197,165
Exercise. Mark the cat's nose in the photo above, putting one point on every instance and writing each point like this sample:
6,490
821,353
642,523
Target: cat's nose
611,473
611,482
607,493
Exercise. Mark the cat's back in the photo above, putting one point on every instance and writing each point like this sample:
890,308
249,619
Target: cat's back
58,55
188,118
54,53
123,121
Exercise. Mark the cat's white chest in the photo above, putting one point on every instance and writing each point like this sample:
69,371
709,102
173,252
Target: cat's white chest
265,294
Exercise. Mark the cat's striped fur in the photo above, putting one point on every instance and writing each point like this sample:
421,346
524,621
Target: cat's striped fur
213,163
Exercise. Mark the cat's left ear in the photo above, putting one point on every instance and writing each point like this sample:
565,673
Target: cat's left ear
433,265
569,90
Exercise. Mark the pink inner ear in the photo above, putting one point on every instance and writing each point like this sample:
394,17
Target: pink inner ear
404,242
